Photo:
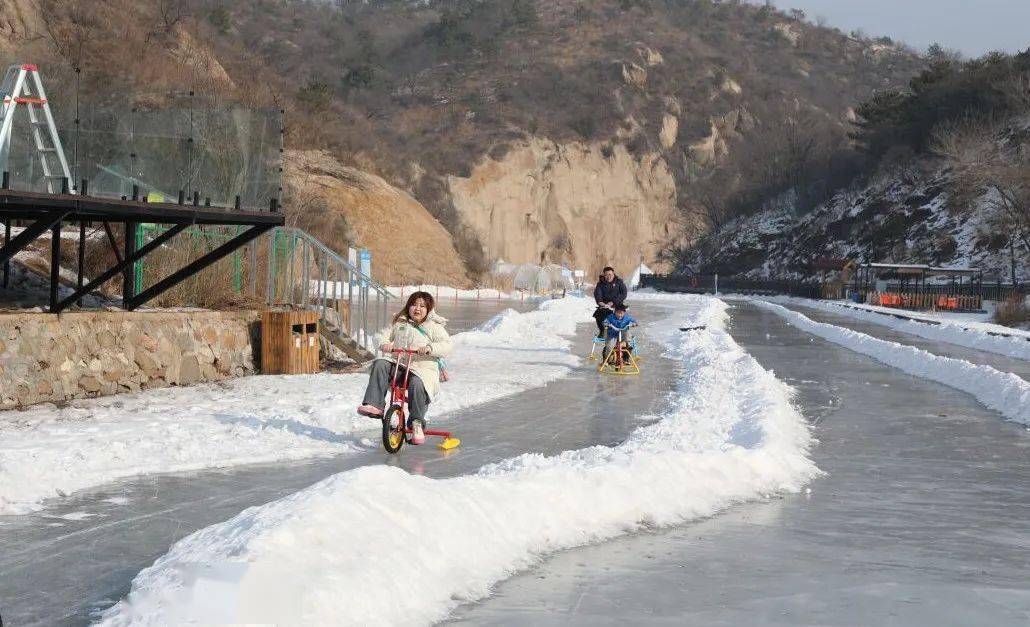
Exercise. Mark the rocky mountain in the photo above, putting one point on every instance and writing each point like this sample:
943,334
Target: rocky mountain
576,131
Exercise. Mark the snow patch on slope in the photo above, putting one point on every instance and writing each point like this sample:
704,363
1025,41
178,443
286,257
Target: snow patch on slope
898,218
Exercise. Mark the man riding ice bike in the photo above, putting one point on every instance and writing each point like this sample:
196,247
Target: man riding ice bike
609,293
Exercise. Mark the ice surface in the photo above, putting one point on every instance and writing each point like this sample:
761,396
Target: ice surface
47,452
922,519
902,335
1005,392
981,336
729,435
54,575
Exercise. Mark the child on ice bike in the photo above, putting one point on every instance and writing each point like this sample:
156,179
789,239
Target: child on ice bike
416,327
616,322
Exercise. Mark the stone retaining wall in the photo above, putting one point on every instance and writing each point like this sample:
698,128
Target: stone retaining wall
45,357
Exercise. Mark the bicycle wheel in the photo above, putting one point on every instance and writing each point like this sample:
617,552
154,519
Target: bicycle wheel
393,430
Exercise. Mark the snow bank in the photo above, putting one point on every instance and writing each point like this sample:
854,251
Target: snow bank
1002,391
376,545
960,334
46,451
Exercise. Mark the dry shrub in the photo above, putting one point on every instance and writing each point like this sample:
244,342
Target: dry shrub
1013,311
502,282
310,211
211,288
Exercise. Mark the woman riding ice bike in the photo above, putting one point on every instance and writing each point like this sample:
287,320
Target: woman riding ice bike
410,371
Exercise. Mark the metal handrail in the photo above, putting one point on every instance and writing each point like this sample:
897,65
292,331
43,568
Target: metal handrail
324,282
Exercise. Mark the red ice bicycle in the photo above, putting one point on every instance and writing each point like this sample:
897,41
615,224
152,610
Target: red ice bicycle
396,430
621,359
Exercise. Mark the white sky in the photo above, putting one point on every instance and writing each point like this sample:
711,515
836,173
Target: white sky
972,26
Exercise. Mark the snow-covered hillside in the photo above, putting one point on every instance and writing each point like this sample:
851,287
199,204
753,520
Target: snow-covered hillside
904,218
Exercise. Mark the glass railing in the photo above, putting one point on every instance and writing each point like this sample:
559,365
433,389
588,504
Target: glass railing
165,144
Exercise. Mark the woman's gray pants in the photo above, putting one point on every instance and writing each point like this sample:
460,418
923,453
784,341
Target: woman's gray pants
379,378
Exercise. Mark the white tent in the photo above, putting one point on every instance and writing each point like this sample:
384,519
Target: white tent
634,280
541,280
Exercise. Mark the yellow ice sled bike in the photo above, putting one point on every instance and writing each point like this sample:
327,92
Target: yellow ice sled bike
597,343
396,427
620,359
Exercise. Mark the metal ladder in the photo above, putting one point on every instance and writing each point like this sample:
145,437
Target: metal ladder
22,85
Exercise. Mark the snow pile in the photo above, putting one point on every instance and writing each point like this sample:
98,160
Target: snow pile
965,334
379,546
1004,392
46,451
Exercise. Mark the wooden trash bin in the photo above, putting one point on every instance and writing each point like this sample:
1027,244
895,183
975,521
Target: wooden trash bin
289,342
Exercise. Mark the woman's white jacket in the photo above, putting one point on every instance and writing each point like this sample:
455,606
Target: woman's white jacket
431,333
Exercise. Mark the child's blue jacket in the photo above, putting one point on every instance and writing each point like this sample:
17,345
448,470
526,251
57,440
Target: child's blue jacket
620,325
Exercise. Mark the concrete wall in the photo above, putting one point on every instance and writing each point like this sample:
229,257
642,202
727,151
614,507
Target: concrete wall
54,358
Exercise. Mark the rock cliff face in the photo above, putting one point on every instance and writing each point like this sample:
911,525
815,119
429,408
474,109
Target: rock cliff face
18,20
585,204
408,244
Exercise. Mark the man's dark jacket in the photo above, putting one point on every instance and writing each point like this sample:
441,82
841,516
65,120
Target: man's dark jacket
614,292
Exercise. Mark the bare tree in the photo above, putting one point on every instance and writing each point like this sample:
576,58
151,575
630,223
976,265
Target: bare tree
72,27
171,13
990,170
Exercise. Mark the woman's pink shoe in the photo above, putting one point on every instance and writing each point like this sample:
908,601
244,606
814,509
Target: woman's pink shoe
371,411
417,436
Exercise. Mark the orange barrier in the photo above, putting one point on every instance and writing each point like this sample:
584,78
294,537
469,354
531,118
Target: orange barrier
926,301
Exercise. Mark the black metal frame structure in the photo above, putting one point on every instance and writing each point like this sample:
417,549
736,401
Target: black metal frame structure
50,212
707,284
912,277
